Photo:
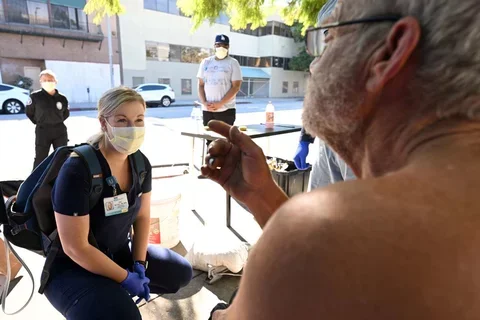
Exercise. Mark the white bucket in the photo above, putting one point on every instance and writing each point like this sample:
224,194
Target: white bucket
164,211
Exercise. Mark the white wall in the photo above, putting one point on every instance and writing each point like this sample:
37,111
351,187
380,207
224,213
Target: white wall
75,77
139,25
279,75
175,71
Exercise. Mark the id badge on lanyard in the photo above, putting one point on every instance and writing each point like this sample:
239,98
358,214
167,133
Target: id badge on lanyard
117,204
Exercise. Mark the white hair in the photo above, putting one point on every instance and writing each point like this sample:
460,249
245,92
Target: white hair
47,72
448,75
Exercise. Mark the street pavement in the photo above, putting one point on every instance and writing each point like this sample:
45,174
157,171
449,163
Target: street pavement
182,110
163,145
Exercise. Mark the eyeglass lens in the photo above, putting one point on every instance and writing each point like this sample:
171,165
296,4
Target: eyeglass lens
316,42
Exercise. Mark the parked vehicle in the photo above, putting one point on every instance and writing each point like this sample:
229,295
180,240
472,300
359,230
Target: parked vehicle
156,94
13,99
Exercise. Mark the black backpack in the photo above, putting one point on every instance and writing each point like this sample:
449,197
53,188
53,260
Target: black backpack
29,221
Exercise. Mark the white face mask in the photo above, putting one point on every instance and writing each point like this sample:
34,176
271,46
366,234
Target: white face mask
49,86
126,140
221,52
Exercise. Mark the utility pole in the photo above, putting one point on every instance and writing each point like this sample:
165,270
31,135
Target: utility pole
110,52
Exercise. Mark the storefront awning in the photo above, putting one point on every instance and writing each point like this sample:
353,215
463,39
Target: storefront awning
248,72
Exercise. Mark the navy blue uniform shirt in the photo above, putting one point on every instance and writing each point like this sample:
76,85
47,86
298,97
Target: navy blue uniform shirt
70,196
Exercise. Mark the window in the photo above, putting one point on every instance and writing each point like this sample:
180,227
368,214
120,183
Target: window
295,87
247,31
5,88
277,62
150,4
286,64
192,55
285,87
272,27
167,6
162,5
265,62
267,30
152,88
60,17
172,7
2,16
157,51
82,20
136,81
186,86
164,81
277,28
175,53
38,13
17,11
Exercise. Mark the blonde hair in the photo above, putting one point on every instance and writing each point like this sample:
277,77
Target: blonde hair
110,102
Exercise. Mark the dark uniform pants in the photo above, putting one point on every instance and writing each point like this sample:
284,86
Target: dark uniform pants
45,136
80,295
227,116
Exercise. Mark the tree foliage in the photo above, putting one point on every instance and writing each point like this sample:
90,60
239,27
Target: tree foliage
301,62
240,12
100,8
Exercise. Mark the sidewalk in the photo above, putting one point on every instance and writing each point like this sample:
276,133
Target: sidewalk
86,106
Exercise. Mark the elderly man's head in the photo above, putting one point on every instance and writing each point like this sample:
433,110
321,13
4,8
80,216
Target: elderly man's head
411,72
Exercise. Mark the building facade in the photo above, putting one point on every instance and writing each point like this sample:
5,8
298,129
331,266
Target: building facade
57,34
158,46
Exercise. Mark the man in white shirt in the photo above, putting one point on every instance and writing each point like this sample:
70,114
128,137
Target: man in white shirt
219,80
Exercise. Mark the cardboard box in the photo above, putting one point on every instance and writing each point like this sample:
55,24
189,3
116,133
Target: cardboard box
14,263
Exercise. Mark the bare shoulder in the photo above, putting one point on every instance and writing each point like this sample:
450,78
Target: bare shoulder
343,252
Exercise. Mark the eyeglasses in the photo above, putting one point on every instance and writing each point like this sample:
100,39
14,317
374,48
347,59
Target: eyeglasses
315,37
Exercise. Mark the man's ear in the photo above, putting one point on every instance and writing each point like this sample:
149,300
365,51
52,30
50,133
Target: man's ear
389,60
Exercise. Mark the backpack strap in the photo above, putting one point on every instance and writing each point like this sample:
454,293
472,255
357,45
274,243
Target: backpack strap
139,164
87,153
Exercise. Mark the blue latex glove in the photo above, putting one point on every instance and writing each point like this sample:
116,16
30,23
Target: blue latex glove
140,270
301,154
136,286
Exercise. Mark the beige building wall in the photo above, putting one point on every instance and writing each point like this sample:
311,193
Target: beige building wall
139,25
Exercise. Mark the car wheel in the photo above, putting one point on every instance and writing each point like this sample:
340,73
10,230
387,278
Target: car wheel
12,106
166,102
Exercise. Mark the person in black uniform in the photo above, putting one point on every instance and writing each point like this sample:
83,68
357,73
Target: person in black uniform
48,109
89,282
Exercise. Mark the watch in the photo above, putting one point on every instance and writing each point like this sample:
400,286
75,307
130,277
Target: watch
143,263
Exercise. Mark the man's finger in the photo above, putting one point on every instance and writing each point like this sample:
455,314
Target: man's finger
214,162
219,148
244,142
220,127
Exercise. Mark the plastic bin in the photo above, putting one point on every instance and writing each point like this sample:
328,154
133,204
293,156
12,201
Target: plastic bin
293,181
164,215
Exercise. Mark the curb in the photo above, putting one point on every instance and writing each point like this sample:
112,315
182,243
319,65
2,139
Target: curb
174,105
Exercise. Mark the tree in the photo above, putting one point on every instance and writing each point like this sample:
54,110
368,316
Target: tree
100,8
241,12
301,62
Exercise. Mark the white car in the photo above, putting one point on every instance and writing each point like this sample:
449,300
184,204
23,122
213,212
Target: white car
13,99
156,94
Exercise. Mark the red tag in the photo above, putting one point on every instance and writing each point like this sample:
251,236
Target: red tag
154,233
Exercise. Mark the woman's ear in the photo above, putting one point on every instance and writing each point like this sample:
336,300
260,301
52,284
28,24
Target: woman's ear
103,124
